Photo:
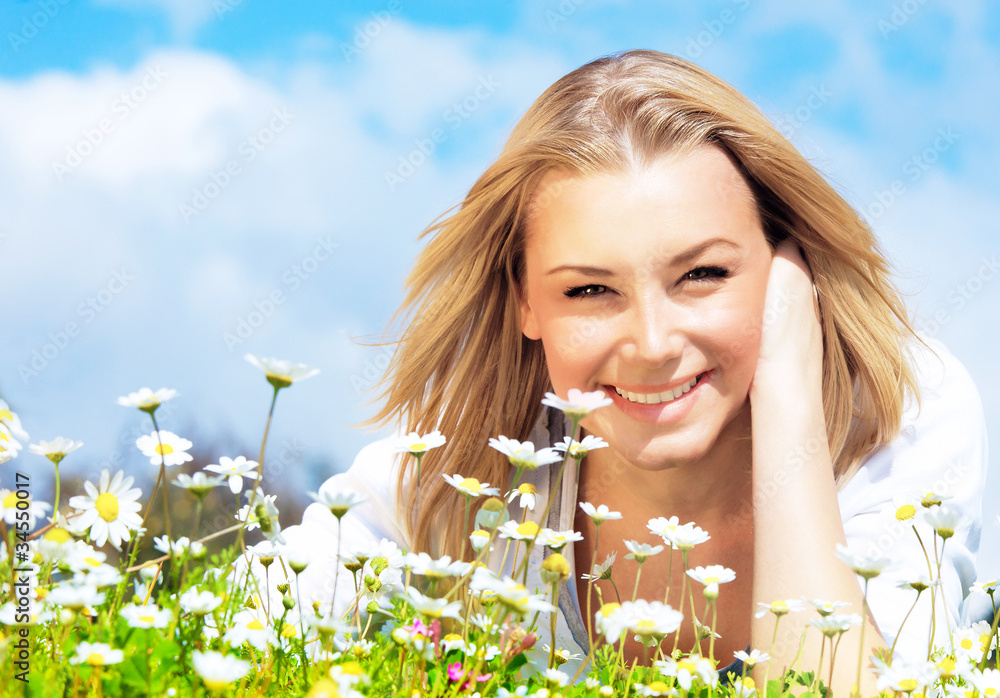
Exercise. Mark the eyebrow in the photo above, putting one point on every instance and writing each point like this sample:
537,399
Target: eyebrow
682,258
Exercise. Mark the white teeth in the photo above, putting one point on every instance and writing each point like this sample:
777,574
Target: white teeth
656,398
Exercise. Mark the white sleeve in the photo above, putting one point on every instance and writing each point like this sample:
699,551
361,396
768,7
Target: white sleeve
941,450
372,475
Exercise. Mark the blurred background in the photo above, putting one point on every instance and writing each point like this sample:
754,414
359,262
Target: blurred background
186,181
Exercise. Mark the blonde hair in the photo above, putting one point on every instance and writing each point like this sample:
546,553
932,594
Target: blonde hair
462,364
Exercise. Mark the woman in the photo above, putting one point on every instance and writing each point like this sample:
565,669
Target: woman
648,233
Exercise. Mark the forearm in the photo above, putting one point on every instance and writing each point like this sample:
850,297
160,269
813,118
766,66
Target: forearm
797,525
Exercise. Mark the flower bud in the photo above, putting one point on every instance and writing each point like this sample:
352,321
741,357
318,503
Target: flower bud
283,588
555,569
479,538
288,602
380,564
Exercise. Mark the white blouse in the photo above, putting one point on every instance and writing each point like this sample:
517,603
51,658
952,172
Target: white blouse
942,449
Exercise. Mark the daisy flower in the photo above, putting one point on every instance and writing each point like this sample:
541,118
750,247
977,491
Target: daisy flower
167,447
779,607
835,623
110,510
423,564
96,654
75,597
513,595
944,519
56,449
599,514
199,603
416,444
523,531
824,608
279,373
654,688
470,486
8,502
522,454
687,669
986,588
650,619
744,687
10,431
527,492
753,658
905,676
479,538
713,574
148,616
580,449
218,670
337,502
264,515
198,484
866,565
685,537
603,569
916,582
169,547
972,642
234,470
577,404
146,400
932,499
557,540
249,627
640,552
555,678
433,608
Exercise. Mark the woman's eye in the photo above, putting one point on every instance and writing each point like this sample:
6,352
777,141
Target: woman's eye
585,291
706,274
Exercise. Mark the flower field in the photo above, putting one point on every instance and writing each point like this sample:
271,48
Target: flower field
186,622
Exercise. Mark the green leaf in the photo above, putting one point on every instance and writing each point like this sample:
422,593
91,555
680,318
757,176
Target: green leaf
517,662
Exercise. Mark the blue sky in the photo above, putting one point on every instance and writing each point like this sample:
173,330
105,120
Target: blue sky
294,124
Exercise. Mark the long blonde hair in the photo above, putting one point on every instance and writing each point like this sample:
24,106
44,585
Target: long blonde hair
462,364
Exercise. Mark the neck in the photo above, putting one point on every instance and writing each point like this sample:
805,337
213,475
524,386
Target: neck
701,491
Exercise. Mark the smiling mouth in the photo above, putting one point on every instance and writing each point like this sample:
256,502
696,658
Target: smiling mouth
665,396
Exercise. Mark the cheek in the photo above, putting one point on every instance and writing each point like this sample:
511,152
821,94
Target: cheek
733,332
574,349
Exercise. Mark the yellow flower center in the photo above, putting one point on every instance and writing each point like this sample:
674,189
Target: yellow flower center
659,686
905,512
288,630
255,625
779,605
107,506
352,668
471,484
149,402
687,665
609,608
966,644
644,626
58,535
95,659
527,488
528,528
908,685
6,414
418,447
215,684
10,500
164,449
990,691
451,637
711,580
148,619
93,562
984,640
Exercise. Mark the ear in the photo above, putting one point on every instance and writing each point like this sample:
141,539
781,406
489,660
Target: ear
529,324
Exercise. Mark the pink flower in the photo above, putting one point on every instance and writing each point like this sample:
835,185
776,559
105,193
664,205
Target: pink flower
455,672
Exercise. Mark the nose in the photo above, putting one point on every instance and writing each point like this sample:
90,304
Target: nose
654,334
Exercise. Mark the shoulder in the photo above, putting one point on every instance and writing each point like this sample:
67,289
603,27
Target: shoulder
373,475
941,446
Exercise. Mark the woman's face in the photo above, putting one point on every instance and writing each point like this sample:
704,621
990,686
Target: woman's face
649,285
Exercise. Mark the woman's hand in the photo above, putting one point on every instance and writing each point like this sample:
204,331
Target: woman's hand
791,344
